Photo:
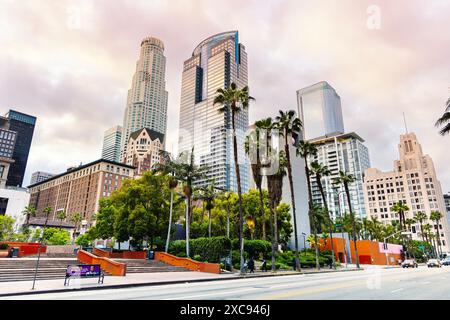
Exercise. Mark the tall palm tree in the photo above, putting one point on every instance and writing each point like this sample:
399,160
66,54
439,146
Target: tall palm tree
421,217
400,208
429,236
346,179
436,216
234,100
320,171
61,215
275,191
409,222
289,126
207,194
76,218
444,121
305,150
29,211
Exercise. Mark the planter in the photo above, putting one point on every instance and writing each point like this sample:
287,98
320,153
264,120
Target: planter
4,253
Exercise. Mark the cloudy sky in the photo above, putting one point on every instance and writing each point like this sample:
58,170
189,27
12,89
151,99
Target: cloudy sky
70,64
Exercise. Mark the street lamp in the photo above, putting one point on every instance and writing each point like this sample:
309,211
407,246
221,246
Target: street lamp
342,226
403,232
304,242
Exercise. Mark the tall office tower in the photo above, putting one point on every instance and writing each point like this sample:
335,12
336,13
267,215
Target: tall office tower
23,124
413,182
347,153
111,144
320,110
216,62
147,98
7,144
40,176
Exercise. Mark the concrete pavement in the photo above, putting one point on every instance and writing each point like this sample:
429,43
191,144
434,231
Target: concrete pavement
371,283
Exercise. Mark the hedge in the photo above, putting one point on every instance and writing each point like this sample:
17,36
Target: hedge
254,248
204,249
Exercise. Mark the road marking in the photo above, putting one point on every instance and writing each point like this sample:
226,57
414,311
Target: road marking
398,290
304,292
211,294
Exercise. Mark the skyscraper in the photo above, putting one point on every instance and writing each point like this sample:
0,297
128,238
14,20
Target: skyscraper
413,182
320,110
347,153
215,63
147,98
111,144
40,176
7,143
23,124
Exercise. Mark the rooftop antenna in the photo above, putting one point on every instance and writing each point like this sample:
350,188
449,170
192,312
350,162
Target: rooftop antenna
406,126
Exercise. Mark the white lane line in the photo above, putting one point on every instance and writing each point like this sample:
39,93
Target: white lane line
212,294
398,290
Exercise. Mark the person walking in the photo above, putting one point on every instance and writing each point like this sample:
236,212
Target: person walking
264,266
251,265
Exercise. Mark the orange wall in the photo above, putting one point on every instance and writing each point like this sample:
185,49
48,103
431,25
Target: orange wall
112,267
26,248
120,255
187,263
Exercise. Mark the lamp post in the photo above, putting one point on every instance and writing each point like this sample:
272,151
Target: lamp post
403,232
342,227
304,242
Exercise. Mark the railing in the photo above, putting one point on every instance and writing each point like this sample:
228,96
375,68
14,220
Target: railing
187,263
120,255
112,267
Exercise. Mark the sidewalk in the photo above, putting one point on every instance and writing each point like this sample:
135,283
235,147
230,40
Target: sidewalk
135,280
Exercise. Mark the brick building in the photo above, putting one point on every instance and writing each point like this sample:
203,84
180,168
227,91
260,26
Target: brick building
79,189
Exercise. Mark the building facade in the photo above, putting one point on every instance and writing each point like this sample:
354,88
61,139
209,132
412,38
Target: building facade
79,189
347,153
7,145
147,98
320,110
215,63
112,140
24,125
143,150
12,203
40,176
413,182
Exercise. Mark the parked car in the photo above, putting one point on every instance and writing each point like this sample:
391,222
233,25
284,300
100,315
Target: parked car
446,261
410,263
434,263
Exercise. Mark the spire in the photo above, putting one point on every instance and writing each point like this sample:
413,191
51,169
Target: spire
404,120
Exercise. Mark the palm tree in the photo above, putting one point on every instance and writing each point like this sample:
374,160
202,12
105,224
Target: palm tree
409,222
275,191
320,171
429,236
76,218
400,208
289,125
207,194
444,121
29,211
436,216
226,196
345,179
233,101
61,215
421,217
305,150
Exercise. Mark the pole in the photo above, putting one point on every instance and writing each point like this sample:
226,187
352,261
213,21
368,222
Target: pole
37,263
386,252
187,227
170,221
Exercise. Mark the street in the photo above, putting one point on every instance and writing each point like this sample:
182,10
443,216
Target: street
372,283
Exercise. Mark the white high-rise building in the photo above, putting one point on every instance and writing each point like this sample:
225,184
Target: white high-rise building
111,144
346,153
216,62
320,110
40,176
413,182
147,98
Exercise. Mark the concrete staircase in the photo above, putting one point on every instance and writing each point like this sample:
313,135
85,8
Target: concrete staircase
148,266
22,269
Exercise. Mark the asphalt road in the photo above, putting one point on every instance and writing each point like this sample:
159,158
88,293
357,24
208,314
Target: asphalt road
373,283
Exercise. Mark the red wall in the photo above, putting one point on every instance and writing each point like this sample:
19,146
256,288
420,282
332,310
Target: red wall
26,248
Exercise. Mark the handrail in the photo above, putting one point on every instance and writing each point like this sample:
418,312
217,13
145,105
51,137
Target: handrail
110,266
188,263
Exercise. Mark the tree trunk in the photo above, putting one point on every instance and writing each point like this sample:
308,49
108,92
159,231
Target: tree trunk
170,221
438,238
263,218
272,230
311,212
188,200
209,221
291,187
319,183
352,216
238,180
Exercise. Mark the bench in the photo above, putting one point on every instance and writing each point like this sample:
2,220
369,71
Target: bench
84,271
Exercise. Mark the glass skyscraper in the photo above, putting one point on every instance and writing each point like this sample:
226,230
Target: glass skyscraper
23,124
215,63
111,144
320,110
147,98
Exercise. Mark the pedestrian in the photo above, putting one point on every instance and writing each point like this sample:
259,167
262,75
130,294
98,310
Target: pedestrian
251,265
294,264
264,265
245,266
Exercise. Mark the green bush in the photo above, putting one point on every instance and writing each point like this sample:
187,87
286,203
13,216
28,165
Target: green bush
209,249
3,246
83,240
254,248
54,236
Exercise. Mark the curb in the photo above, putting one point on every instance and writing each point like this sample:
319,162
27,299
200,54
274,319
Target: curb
151,284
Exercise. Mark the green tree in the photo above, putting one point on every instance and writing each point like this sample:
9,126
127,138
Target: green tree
233,101
83,241
61,215
346,179
444,121
6,227
436,217
76,218
56,237
29,211
289,126
400,208
421,217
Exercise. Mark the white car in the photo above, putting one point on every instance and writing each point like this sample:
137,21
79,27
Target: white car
434,263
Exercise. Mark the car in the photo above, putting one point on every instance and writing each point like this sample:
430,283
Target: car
446,261
434,263
409,263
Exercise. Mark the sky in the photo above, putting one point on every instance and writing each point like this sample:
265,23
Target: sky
70,64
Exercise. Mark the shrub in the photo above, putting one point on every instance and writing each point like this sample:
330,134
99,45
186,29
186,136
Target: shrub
254,248
209,249
3,246
54,236
83,240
